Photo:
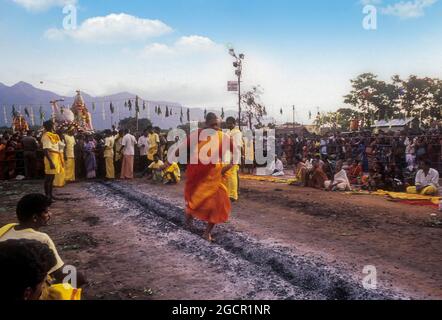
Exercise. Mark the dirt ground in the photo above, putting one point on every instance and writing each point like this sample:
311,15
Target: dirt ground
282,242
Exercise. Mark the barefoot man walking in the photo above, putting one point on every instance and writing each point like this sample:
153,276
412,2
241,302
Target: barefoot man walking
207,197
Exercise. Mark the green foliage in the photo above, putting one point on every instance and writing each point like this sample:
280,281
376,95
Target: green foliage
380,100
131,124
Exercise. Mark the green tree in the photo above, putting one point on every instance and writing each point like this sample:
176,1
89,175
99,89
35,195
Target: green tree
252,106
374,98
131,124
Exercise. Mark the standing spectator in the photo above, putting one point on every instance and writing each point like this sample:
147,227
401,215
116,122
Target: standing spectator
128,143
30,147
109,155
118,151
80,170
143,145
90,160
70,156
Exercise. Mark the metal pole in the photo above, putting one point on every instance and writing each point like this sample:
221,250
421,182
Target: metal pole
239,101
136,109
294,118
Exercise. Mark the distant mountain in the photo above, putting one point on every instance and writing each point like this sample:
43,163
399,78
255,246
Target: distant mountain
24,95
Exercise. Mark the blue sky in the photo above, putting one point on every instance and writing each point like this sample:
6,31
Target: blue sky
300,52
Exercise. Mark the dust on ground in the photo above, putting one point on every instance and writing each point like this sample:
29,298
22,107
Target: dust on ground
297,243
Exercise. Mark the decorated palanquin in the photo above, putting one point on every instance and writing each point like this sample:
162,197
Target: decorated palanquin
19,124
82,116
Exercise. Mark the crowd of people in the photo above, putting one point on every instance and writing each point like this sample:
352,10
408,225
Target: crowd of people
71,156
387,161
30,259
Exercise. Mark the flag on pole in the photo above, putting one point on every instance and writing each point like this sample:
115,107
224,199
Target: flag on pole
42,115
222,113
14,111
103,112
111,107
32,116
137,106
4,114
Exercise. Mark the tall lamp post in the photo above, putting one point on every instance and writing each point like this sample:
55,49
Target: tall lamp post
238,72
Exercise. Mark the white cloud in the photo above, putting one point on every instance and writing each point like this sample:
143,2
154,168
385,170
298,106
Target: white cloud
112,28
195,43
40,5
402,9
409,9
157,49
184,45
370,2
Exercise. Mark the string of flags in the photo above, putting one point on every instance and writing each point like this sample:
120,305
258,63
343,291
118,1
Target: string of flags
129,104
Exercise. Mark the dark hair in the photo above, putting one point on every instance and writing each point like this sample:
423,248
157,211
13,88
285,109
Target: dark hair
426,162
48,125
211,116
32,204
23,264
231,119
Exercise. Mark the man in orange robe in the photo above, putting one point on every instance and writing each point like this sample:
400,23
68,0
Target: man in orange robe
206,195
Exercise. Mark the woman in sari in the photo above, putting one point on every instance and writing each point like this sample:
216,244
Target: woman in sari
89,158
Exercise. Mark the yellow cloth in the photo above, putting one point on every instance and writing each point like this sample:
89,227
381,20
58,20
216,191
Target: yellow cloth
109,143
70,170
70,144
154,141
110,169
428,191
406,196
60,292
156,165
51,142
173,171
57,159
9,233
231,182
60,178
267,179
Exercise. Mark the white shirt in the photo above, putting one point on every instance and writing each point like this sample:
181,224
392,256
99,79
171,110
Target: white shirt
275,166
143,144
129,143
432,179
341,177
31,234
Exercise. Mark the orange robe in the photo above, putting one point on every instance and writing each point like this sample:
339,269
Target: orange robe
206,195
